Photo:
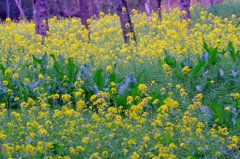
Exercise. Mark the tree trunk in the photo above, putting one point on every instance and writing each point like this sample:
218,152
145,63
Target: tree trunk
148,10
168,5
95,7
159,5
19,5
16,11
8,8
84,12
184,7
67,14
125,19
40,15
211,1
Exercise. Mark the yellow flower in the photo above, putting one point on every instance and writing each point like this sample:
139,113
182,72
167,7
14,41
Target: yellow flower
8,20
66,97
127,25
217,153
124,9
134,11
104,153
30,149
80,148
142,88
72,151
56,96
40,146
85,140
172,146
15,75
26,80
166,67
74,21
5,83
227,109
101,14
49,145
155,102
3,136
186,70
182,144
40,76
129,100
135,155
80,104
235,139
131,142
178,86
8,72
113,90
109,68
146,138
2,105
163,109
112,84
223,131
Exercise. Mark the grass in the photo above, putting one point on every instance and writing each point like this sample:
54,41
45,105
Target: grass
226,9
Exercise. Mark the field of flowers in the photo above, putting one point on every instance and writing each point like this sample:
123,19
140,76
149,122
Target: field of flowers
174,93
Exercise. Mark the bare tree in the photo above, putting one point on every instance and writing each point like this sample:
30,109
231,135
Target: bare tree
7,8
40,15
211,1
184,7
82,12
19,5
125,19
159,5
148,10
95,7
168,5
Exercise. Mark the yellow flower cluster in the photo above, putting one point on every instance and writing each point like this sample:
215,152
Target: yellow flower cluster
68,38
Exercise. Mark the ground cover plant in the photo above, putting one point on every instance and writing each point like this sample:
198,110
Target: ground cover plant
174,93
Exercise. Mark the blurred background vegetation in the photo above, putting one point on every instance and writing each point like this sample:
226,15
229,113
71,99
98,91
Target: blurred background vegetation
224,8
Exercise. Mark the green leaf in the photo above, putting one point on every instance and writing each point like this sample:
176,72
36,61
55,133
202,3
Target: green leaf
213,54
234,55
2,68
139,75
44,61
57,67
99,79
198,67
37,61
218,111
53,57
134,90
112,77
72,69
169,59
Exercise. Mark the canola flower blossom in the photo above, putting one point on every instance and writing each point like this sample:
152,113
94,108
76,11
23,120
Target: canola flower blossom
67,38
40,134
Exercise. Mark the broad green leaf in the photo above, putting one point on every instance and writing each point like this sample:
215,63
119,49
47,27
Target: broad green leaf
99,79
218,111
198,68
